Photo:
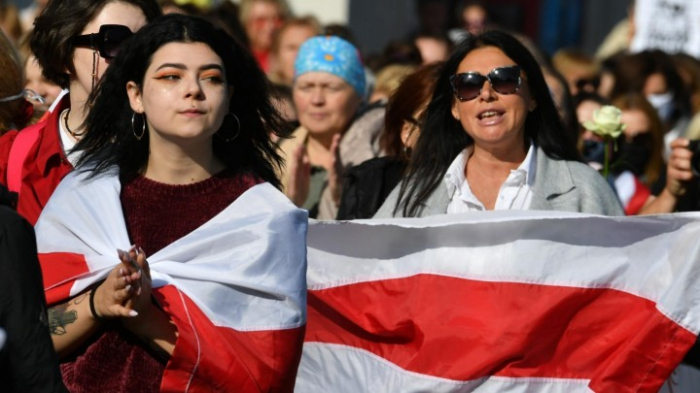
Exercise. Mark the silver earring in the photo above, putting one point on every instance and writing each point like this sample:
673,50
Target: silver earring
238,131
143,127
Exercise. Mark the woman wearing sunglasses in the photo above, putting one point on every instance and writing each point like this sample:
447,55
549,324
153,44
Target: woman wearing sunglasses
494,141
74,42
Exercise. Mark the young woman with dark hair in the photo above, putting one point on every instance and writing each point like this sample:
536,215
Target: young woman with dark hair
178,162
73,41
495,141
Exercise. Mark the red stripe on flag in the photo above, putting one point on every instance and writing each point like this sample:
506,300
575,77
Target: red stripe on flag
235,361
59,269
464,329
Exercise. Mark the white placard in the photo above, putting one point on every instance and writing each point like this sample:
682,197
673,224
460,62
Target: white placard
670,25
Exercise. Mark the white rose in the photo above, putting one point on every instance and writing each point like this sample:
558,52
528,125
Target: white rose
607,121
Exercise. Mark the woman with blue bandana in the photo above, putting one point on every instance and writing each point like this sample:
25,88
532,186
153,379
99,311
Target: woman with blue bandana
329,83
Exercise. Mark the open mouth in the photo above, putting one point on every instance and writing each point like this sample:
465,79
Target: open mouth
489,114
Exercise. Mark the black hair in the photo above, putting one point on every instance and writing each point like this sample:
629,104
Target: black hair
51,40
111,140
445,138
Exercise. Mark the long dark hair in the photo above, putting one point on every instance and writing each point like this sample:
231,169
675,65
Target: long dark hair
111,140
412,94
445,138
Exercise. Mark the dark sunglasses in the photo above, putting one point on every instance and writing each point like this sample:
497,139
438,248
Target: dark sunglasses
504,80
107,41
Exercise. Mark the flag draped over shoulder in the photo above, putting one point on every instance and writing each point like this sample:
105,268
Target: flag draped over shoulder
235,287
500,301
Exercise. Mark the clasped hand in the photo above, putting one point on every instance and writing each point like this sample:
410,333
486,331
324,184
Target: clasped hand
126,292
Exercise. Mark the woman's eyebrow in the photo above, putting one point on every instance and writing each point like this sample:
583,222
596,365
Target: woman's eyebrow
212,67
172,65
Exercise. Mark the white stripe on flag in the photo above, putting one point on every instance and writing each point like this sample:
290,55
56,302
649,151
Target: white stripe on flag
362,371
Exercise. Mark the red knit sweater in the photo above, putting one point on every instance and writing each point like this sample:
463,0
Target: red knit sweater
156,215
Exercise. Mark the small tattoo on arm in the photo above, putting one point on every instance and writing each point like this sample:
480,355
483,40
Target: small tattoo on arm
59,317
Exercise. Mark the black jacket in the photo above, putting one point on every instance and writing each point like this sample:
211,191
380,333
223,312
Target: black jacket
27,359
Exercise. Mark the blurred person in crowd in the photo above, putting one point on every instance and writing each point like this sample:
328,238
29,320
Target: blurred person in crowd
619,38
563,100
329,87
399,51
261,20
472,18
30,13
73,41
681,191
226,16
580,70
641,150
606,76
285,46
366,185
493,140
28,362
389,79
654,74
361,142
179,137
638,161
689,70
10,21
433,48
37,82
15,110
433,16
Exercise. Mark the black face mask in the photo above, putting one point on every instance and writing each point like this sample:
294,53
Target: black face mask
634,157
594,151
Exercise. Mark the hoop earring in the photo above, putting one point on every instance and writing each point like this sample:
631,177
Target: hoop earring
238,131
143,128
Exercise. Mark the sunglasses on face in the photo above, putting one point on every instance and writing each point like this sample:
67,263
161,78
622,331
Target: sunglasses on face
504,80
107,41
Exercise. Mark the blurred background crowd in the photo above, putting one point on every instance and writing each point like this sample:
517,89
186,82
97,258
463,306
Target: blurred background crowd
583,49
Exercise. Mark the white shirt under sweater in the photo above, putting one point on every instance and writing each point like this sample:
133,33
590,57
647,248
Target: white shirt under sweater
515,192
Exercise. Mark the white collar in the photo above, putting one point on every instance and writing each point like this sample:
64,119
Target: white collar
454,176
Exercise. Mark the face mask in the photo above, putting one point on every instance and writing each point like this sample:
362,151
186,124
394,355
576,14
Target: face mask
634,157
594,151
663,103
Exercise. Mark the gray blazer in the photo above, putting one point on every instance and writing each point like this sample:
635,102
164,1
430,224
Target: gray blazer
559,185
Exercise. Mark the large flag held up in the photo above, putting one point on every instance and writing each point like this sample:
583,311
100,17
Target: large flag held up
503,301
235,287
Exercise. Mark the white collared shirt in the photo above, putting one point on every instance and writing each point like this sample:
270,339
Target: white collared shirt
515,192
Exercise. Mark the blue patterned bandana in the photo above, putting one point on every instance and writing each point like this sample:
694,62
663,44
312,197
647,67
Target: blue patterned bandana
332,55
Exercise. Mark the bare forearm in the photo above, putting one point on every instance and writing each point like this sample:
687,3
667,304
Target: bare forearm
664,203
71,323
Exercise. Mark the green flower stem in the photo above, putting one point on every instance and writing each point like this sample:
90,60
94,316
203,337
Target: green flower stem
606,158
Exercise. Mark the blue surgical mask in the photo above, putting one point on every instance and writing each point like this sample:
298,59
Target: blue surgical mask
663,103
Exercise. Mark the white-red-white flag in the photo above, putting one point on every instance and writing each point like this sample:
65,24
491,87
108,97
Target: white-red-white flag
235,287
500,301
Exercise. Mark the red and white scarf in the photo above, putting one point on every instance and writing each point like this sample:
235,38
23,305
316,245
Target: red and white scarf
235,287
